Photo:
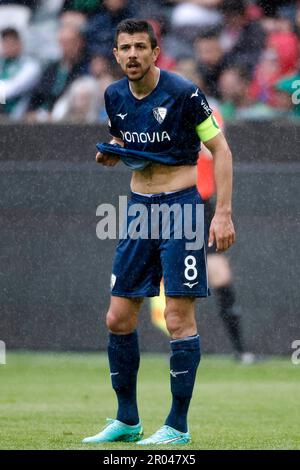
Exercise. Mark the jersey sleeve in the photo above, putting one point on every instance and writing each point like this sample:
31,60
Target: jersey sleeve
112,128
196,107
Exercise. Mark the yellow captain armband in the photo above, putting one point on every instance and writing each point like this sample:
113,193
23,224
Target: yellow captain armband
208,129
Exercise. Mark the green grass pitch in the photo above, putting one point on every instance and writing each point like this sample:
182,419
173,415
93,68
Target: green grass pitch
52,401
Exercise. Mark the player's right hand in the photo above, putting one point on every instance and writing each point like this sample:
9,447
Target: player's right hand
221,232
107,160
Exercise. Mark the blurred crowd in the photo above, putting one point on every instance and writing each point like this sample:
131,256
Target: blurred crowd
56,55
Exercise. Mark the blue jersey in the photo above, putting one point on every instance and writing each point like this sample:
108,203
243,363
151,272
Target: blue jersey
164,122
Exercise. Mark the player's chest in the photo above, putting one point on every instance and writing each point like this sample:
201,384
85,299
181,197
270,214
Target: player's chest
161,114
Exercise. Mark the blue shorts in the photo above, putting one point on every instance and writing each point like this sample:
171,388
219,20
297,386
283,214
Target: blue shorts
164,236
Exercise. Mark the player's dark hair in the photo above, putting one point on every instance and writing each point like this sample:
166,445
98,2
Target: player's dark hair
9,32
132,26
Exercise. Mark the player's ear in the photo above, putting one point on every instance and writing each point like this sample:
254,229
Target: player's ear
156,52
115,51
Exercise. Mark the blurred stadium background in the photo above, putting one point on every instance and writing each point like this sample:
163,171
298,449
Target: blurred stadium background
55,63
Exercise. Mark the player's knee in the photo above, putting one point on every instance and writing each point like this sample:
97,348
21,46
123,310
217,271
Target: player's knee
112,321
179,324
118,324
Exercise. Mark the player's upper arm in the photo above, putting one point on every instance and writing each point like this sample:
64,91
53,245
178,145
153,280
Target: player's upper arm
112,128
208,129
218,143
196,108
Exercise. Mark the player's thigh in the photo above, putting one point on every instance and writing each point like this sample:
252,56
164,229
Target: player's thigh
219,272
180,306
136,269
184,271
123,313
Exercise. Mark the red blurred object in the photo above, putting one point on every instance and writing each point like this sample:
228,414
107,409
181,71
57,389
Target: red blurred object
286,45
206,181
164,61
254,12
279,58
205,166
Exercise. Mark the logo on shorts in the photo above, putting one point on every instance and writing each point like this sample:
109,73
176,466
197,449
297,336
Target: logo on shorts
113,281
160,114
189,284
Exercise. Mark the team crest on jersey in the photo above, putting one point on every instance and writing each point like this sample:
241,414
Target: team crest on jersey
159,114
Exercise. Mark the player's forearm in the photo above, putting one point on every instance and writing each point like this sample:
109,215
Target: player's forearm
223,179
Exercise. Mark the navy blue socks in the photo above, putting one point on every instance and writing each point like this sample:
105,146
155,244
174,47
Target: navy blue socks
124,361
184,362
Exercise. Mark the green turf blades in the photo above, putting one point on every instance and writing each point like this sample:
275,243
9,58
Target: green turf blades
116,431
167,436
52,399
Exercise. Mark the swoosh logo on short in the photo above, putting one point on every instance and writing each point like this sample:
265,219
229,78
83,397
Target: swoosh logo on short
190,285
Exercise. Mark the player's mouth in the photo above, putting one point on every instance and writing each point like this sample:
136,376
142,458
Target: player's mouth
133,66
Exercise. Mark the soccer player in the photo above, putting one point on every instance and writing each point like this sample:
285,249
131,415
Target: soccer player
156,112
218,267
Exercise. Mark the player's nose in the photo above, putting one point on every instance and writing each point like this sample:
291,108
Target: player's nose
132,52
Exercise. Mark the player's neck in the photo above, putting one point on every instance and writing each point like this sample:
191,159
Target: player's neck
141,88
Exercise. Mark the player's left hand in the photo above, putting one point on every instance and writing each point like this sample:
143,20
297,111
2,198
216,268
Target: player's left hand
221,232
107,160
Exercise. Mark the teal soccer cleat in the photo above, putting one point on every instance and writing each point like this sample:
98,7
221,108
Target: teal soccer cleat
167,435
116,431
